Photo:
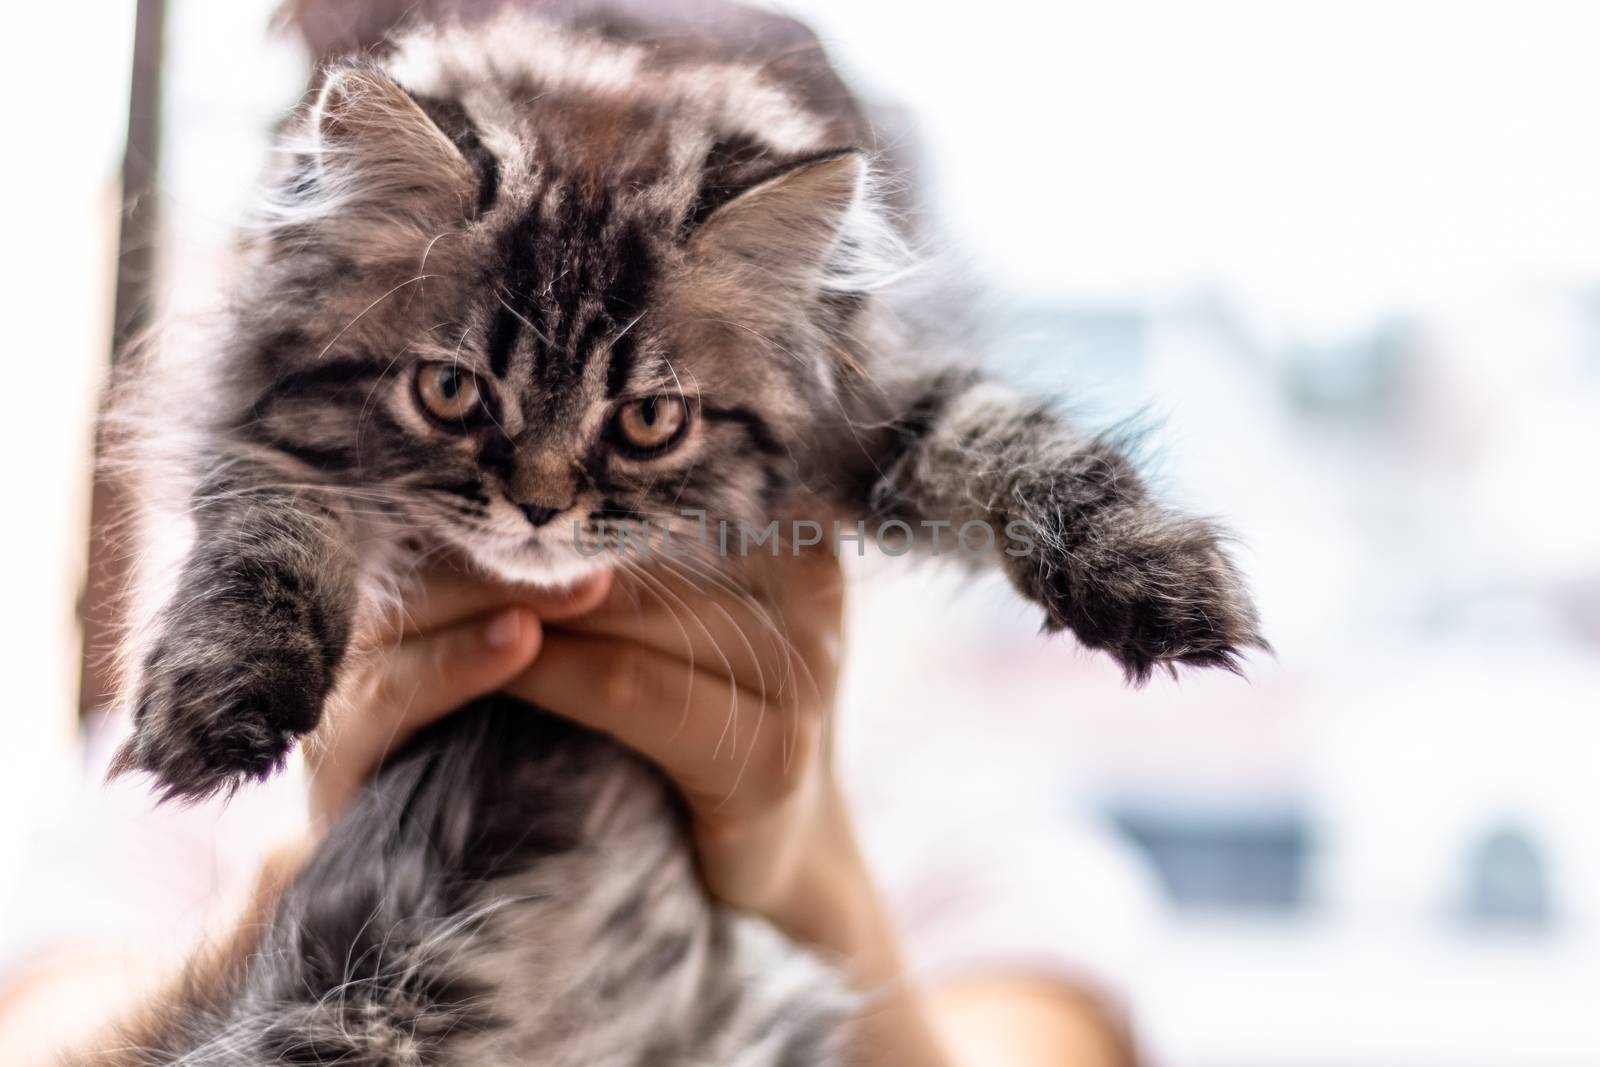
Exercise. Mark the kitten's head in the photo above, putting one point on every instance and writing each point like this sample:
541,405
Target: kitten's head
505,313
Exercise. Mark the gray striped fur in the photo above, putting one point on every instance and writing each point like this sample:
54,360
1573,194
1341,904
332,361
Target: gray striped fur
580,205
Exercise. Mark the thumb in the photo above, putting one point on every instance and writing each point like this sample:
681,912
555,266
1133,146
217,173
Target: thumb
415,683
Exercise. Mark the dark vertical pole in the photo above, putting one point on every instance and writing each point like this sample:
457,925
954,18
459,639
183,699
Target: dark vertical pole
107,572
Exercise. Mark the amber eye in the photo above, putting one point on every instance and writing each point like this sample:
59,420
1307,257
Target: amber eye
651,425
450,393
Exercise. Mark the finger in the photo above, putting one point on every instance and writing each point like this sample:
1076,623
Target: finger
813,573
713,738
563,602
717,630
415,683
446,596
769,640
428,675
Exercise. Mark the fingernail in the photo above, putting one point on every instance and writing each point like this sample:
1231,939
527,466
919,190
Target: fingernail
504,630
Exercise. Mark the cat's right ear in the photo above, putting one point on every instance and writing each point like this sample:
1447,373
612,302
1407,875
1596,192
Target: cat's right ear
373,152
786,229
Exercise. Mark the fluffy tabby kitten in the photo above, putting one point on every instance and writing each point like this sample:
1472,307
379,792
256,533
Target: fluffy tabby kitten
531,266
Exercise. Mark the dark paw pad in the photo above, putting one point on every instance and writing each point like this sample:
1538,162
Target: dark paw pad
1151,589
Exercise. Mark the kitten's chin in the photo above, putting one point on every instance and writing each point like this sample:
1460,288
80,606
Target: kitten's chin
535,564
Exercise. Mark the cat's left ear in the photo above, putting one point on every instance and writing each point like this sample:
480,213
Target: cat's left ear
376,151
789,226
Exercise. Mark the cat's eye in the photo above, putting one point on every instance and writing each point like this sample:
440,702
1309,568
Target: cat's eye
650,426
451,394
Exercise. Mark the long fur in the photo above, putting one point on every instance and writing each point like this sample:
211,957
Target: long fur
580,205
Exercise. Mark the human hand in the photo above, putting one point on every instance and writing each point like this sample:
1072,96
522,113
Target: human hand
730,691
458,637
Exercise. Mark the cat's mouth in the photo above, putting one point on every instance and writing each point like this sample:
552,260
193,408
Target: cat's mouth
538,558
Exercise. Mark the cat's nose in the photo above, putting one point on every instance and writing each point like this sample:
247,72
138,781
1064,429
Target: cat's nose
539,514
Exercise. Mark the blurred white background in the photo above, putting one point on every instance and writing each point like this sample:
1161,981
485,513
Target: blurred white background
1348,254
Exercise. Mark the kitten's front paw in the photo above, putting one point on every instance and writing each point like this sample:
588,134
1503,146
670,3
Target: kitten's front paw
208,717
1152,589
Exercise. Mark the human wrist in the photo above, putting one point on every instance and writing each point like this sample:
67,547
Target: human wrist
831,901
835,908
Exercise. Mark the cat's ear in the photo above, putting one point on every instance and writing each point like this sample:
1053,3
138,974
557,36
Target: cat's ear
376,150
789,226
